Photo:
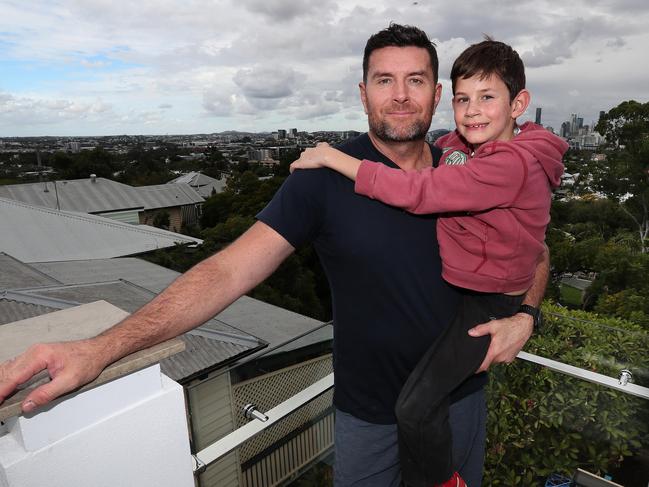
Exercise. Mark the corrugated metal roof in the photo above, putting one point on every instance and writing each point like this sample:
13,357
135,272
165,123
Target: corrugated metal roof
16,274
200,355
82,195
138,271
202,184
272,324
12,310
99,195
35,234
168,195
123,294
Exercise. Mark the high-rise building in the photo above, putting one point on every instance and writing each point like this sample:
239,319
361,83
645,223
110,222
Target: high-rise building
281,134
538,116
565,129
292,133
573,123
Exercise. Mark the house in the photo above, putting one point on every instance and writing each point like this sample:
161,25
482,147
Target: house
39,234
110,199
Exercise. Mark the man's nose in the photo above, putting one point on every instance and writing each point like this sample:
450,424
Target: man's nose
400,92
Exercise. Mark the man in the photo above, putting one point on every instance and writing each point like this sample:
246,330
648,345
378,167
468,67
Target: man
383,266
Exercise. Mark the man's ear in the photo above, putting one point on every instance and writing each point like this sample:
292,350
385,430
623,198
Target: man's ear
362,88
520,103
438,96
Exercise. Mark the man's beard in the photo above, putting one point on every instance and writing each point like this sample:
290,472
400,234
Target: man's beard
389,133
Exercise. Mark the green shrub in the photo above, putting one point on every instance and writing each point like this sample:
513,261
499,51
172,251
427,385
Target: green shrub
541,422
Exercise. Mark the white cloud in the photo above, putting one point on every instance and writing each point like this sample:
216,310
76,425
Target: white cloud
256,63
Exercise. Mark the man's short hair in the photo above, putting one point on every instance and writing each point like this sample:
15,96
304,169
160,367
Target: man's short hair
397,35
491,57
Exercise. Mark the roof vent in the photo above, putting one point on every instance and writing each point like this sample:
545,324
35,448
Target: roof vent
93,178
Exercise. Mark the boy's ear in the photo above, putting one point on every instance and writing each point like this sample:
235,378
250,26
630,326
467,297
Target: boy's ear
520,103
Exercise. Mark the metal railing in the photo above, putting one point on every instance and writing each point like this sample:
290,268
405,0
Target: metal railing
263,420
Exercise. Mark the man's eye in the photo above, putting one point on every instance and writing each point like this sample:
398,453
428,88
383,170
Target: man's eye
383,81
416,81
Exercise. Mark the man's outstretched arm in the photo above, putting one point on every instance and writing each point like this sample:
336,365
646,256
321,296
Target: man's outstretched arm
189,301
509,335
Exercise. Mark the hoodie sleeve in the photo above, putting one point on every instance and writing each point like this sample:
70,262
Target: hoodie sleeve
492,179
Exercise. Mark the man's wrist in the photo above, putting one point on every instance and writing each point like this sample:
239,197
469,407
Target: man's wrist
534,315
105,348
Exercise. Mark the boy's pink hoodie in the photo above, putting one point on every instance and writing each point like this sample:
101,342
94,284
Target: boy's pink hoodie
495,204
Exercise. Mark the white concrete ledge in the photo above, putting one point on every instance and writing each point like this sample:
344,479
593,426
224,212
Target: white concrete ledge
131,431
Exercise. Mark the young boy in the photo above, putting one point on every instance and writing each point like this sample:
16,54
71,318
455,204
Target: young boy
493,190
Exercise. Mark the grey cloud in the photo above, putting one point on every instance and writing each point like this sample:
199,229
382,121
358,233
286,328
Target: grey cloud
263,104
616,43
353,116
165,106
557,50
283,10
318,110
267,82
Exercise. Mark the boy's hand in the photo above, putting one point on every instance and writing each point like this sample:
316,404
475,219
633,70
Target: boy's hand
313,158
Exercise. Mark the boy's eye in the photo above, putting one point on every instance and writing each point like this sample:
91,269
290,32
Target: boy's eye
487,97
461,99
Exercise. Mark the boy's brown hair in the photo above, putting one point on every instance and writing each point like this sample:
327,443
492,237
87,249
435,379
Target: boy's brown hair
491,57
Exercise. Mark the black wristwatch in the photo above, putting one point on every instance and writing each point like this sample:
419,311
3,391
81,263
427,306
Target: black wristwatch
535,313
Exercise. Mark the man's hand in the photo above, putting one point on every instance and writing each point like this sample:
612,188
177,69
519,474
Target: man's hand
70,365
508,336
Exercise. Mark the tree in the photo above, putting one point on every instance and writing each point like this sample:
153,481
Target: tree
624,175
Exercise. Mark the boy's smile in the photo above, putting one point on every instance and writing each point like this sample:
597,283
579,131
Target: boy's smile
483,111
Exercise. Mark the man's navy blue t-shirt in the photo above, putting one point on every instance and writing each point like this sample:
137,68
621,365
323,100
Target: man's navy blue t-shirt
384,271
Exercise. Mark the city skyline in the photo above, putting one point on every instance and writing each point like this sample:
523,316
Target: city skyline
73,68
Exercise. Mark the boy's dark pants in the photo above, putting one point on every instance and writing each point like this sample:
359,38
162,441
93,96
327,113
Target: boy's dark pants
422,408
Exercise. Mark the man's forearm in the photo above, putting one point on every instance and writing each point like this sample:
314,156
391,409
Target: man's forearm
184,305
535,293
196,296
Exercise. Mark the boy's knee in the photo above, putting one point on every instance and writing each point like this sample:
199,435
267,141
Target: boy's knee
410,411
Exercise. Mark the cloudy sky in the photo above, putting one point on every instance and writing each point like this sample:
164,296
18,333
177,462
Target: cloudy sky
100,67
